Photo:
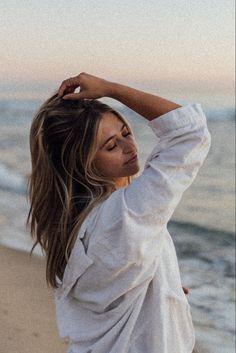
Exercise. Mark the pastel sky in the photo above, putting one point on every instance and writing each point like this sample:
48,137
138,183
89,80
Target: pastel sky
150,43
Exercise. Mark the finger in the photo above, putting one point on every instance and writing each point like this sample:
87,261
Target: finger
62,88
67,86
69,90
74,96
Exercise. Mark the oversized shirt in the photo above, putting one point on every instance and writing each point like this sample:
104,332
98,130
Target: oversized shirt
121,291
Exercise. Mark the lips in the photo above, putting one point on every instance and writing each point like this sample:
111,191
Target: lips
134,158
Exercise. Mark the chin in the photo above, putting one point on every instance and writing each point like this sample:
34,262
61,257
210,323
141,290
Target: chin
134,170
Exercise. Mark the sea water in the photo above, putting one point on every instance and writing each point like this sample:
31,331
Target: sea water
202,225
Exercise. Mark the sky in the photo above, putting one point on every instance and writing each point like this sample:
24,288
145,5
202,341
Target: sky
171,47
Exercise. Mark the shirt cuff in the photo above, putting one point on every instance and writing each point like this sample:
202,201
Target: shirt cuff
178,118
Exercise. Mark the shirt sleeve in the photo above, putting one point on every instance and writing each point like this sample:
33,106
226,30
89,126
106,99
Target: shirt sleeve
147,204
184,142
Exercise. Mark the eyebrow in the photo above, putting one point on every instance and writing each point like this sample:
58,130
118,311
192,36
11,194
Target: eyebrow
111,137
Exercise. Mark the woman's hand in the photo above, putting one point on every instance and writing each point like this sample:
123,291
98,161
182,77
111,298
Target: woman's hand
91,87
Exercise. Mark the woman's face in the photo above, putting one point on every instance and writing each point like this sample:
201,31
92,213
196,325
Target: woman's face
116,148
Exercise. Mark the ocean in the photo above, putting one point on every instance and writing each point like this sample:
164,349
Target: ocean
202,226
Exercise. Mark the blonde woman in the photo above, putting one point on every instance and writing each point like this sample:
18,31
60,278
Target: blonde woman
110,258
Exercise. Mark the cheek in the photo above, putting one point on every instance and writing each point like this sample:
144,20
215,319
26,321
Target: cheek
108,163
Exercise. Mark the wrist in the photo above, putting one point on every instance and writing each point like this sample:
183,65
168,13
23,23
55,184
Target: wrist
113,90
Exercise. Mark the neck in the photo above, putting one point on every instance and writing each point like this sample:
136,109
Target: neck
121,182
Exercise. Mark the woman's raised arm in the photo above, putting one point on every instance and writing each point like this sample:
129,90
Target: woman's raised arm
148,105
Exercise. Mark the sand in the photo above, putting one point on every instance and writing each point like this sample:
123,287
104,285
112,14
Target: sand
28,321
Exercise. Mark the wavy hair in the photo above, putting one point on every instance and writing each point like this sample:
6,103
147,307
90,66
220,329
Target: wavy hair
64,184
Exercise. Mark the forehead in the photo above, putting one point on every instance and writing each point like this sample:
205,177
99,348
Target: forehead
109,125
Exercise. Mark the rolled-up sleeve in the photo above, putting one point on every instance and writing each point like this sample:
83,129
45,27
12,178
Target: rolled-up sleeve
184,142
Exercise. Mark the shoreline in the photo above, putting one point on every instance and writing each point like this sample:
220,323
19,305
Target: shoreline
28,321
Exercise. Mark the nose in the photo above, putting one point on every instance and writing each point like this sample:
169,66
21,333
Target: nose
129,147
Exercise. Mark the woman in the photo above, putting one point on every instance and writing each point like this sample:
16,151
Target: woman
110,257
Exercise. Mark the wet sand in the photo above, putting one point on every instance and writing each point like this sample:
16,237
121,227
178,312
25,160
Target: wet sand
28,322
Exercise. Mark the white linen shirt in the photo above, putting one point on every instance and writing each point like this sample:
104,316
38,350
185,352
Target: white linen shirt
121,291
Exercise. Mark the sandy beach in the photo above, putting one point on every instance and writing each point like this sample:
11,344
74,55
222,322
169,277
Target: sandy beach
28,322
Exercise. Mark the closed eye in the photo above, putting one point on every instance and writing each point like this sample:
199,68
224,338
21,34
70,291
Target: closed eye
112,148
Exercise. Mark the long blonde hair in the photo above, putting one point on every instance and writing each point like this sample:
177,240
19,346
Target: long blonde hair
64,184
